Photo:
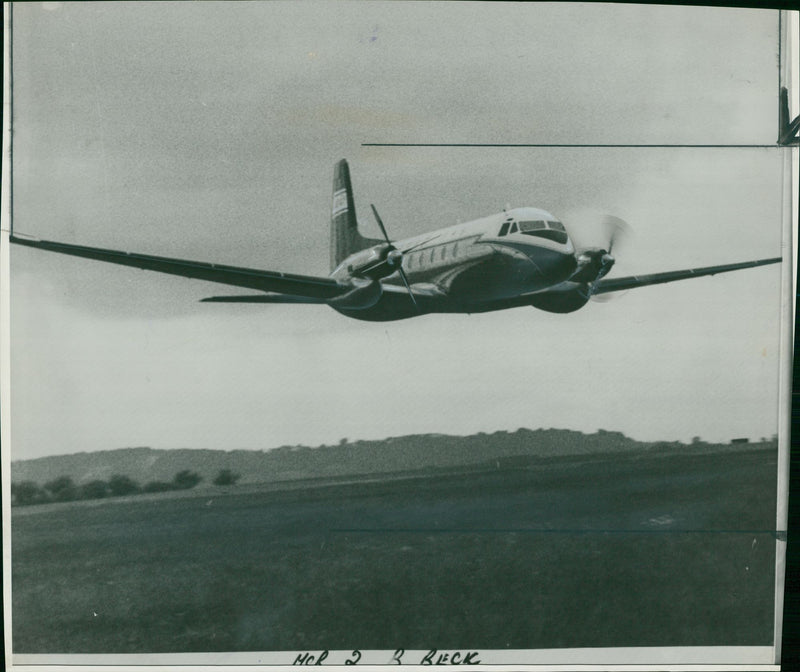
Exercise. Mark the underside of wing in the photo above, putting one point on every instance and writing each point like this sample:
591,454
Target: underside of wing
618,284
315,288
264,298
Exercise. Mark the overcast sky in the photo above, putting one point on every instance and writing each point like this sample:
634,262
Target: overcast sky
210,130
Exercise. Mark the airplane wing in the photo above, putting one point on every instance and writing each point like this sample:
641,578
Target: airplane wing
263,298
318,288
617,284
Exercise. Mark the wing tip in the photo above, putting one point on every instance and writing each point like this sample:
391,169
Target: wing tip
22,238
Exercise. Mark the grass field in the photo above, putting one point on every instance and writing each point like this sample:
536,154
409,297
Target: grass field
626,551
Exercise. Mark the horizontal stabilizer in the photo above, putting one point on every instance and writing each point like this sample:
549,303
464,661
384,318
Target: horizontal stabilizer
263,298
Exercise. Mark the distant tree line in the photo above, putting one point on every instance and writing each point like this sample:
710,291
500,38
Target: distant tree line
64,489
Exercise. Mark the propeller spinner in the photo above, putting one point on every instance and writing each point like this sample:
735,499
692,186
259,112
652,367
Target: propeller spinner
393,258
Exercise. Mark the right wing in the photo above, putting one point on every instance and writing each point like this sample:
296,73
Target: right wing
617,284
315,288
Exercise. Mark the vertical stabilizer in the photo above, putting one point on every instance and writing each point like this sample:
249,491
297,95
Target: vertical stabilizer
345,238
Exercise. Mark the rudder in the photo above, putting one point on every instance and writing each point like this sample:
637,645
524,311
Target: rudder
345,238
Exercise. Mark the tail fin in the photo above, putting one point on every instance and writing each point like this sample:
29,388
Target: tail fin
345,238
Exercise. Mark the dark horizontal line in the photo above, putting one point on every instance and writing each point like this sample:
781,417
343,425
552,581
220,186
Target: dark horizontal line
465,530
550,144
293,652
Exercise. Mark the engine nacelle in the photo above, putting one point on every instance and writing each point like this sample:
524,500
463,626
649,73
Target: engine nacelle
364,294
593,264
561,302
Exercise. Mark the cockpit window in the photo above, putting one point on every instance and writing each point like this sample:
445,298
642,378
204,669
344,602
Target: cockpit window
531,226
551,230
557,236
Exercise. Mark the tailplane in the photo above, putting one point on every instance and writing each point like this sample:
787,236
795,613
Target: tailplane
345,238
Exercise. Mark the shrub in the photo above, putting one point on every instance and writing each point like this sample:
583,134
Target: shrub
94,490
226,477
62,489
186,479
120,485
27,492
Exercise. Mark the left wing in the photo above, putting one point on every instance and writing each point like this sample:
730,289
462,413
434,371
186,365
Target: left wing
314,288
617,284
263,298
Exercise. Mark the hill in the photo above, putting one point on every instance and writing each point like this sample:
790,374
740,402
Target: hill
418,452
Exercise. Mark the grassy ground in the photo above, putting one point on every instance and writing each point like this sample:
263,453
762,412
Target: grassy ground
633,551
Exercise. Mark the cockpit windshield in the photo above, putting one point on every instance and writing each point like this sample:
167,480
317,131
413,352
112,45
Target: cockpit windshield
551,230
535,225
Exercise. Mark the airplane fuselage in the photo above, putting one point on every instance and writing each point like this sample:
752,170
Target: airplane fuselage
471,267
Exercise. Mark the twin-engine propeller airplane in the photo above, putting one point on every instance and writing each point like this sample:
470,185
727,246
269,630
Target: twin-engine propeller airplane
520,257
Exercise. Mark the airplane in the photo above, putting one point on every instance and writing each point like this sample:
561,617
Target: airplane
518,257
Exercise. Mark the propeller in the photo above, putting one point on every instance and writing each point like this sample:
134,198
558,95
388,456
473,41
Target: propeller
618,231
595,262
394,257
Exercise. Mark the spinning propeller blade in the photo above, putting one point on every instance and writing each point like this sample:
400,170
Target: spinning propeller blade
618,232
380,223
396,258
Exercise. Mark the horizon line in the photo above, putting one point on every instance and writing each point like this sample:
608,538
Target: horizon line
345,441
